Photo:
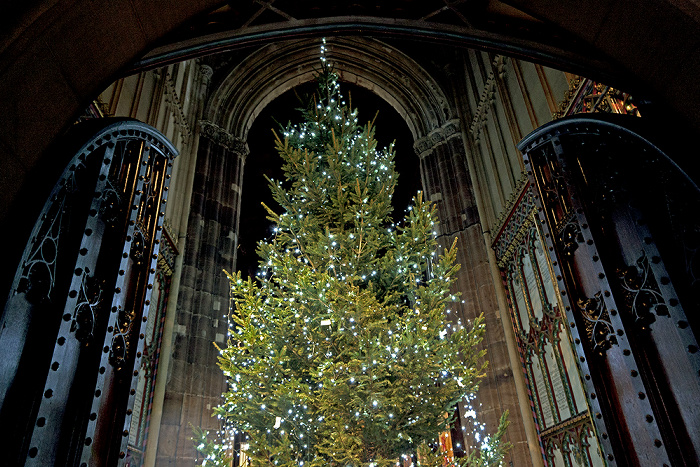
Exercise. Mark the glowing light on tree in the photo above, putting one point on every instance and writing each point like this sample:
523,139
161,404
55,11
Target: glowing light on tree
344,351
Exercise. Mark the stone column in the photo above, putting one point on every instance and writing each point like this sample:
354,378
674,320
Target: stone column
177,212
195,383
446,182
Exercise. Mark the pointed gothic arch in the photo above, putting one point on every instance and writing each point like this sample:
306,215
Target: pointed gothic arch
440,141
276,68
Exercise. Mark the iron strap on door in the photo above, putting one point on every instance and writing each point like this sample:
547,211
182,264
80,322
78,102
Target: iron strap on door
616,213
101,228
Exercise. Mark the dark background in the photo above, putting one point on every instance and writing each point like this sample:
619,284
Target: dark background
264,160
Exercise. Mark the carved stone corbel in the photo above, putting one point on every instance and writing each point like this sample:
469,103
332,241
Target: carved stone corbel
220,136
425,146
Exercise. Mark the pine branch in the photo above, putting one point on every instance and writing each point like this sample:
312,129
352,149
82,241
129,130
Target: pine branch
343,352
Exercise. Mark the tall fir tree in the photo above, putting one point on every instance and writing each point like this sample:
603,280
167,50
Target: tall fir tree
343,351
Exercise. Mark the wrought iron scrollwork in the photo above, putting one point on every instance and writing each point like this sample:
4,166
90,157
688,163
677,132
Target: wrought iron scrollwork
111,207
598,327
39,268
570,236
121,342
643,298
87,308
138,247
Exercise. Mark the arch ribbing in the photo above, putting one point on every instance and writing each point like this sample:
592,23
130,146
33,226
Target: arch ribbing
368,63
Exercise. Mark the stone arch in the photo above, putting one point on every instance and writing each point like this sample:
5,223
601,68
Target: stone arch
438,140
368,63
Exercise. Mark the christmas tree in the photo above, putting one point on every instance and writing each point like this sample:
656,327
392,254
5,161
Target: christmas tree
343,351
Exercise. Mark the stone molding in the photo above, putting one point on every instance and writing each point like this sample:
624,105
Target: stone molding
206,71
174,105
218,135
237,99
488,96
447,131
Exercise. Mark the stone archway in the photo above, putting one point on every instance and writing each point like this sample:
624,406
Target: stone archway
368,63
213,226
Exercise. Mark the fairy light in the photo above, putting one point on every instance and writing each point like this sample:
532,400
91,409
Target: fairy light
345,304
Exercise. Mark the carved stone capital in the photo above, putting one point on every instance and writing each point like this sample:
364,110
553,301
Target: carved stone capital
218,135
424,146
206,71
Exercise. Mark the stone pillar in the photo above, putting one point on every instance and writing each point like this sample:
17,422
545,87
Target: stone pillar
446,182
195,383
177,212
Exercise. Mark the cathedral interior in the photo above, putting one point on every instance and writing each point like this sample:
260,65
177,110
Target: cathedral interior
555,139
